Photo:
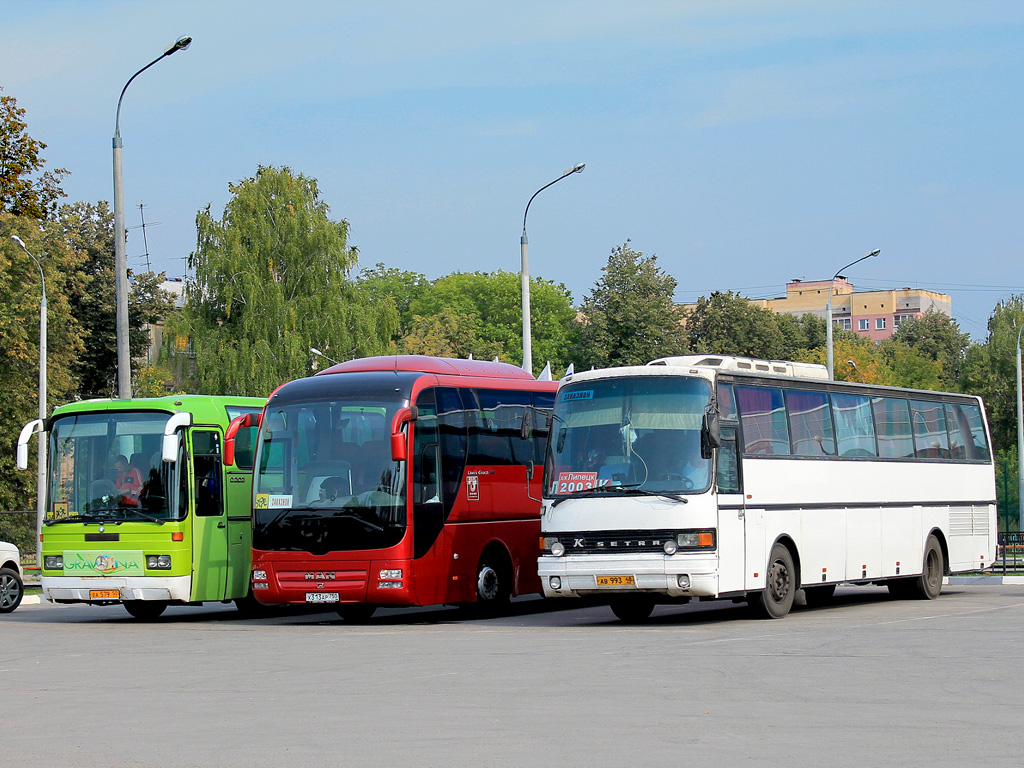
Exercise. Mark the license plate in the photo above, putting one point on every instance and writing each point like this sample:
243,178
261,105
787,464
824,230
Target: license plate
616,581
104,594
321,597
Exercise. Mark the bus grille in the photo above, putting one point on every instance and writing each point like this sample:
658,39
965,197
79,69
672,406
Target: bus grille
613,541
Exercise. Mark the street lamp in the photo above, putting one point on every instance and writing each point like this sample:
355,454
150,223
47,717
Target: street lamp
124,360
1020,442
317,352
41,477
527,332
828,309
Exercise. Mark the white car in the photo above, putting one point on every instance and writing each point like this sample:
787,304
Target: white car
12,587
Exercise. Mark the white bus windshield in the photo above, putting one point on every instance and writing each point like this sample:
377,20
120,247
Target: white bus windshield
325,480
639,433
107,467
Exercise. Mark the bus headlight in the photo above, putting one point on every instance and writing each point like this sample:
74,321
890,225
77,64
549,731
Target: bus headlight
259,575
555,582
53,562
683,580
390,573
696,539
558,549
158,562
670,547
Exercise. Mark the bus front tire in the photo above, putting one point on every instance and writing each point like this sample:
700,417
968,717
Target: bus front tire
12,589
493,586
633,609
356,613
145,610
776,599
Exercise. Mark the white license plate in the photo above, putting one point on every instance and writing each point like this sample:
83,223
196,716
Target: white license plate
321,597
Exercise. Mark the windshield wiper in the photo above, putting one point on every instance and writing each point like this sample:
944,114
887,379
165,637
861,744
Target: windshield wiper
74,519
145,516
632,489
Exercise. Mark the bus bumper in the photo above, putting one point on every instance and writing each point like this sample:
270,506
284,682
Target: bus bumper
73,589
577,575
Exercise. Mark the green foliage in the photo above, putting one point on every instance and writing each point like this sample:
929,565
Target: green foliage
484,311
271,281
446,334
24,191
1007,490
88,229
990,370
630,317
20,295
382,284
938,337
728,324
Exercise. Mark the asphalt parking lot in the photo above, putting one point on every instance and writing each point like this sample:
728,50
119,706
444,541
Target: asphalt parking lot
867,681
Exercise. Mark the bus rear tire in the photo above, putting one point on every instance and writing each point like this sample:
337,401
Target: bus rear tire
632,609
776,599
356,613
12,589
145,610
928,585
819,596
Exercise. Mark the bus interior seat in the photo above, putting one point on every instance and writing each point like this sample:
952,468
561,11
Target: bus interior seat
618,471
141,462
319,471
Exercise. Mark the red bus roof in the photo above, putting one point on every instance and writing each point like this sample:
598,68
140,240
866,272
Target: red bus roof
444,366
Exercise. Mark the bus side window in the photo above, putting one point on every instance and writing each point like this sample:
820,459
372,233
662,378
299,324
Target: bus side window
728,463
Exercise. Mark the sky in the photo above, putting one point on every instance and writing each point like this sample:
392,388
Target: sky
744,143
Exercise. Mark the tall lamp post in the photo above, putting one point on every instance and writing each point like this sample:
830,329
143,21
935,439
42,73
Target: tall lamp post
41,476
527,332
124,360
1020,441
828,309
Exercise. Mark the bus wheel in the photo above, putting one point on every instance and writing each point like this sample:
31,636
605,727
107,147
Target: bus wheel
356,613
12,589
493,585
776,599
818,596
632,609
928,585
145,609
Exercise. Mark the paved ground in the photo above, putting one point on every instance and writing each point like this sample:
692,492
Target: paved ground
866,682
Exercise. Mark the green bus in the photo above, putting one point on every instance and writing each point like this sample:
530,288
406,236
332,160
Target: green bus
141,509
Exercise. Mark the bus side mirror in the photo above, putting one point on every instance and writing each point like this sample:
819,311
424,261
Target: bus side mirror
710,434
399,445
239,422
526,427
172,440
36,425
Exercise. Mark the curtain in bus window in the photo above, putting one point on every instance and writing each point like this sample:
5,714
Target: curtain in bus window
855,431
494,432
452,434
966,432
543,402
763,419
930,436
892,427
810,423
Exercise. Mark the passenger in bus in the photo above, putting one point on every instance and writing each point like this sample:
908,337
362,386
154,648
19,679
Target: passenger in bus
330,489
129,481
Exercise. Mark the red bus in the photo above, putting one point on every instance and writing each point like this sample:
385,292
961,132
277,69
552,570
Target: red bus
401,480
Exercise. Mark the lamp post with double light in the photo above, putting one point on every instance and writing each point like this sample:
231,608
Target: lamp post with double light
41,469
124,360
828,309
525,274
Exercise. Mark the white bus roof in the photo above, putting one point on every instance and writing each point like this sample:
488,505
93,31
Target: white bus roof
746,365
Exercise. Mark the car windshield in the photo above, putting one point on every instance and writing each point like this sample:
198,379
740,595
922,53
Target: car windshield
641,433
325,480
108,467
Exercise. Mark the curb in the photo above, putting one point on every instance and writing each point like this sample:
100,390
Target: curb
984,580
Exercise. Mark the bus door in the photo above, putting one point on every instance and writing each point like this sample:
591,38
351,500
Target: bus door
209,519
430,545
731,515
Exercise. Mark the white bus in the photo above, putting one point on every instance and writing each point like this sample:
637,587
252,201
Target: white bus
715,477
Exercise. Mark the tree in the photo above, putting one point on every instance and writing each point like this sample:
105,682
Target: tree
488,308
990,370
630,316
938,337
728,324
20,295
403,288
88,229
24,191
446,334
271,281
